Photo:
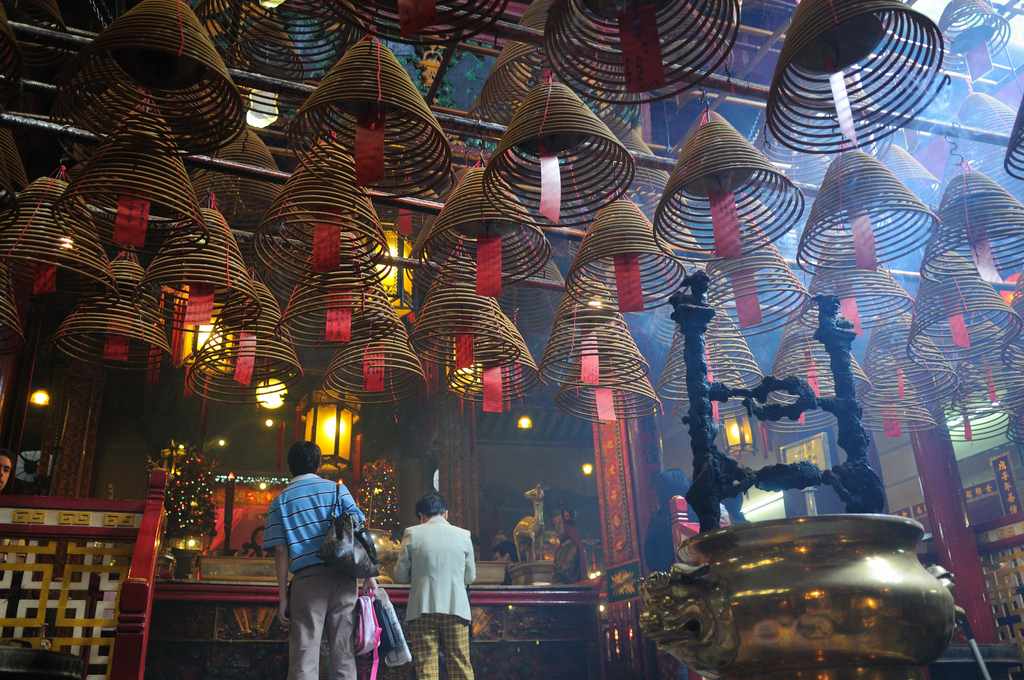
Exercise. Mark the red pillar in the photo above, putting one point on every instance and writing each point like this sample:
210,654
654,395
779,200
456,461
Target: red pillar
954,541
645,462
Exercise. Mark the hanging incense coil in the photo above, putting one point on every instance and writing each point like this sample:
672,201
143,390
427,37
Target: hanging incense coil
58,260
530,308
960,313
517,378
912,174
761,276
121,335
368,79
883,407
648,184
43,14
891,58
716,158
308,310
803,168
632,399
242,200
967,24
987,113
979,220
858,186
12,339
601,268
455,19
15,170
594,166
468,217
11,60
589,50
157,56
1014,160
988,401
238,334
135,173
931,376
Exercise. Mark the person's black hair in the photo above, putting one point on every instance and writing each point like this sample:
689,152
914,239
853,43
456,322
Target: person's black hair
304,458
507,548
431,505
7,454
669,483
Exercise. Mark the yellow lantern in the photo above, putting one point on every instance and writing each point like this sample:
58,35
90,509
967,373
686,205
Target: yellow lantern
329,425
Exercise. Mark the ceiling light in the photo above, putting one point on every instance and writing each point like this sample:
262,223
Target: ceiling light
271,393
221,442
262,109
40,397
587,468
269,422
525,423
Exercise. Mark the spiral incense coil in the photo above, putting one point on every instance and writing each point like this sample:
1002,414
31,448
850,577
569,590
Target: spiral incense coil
35,241
717,158
417,156
402,370
12,161
533,309
119,335
172,69
1013,163
980,381
517,378
891,58
216,364
307,313
242,200
982,221
987,113
12,339
468,216
630,399
11,60
803,168
931,376
882,405
777,290
967,24
857,185
456,19
620,231
955,303
43,14
452,312
588,50
912,174
648,185
594,166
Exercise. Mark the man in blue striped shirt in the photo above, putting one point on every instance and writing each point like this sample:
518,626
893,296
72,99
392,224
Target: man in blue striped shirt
297,523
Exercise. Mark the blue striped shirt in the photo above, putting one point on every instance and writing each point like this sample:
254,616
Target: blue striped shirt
300,515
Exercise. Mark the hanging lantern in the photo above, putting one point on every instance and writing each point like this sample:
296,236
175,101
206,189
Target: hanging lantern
328,424
426,22
241,200
852,72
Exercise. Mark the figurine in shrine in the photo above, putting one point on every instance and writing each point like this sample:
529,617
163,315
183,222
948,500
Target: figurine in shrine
529,530
569,559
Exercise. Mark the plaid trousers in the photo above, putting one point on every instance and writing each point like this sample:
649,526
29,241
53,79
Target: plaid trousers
452,633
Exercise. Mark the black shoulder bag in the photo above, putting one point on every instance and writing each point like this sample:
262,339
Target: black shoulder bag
347,546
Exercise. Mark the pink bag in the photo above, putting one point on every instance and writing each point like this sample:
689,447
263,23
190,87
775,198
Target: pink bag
367,631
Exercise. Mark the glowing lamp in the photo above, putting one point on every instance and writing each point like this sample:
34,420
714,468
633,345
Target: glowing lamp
588,468
271,393
525,423
40,397
262,109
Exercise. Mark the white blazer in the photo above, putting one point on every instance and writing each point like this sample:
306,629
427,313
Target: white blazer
437,560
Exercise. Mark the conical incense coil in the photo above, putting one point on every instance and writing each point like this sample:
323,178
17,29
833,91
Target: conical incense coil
886,354
517,378
887,412
648,184
591,329
12,339
982,221
470,224
911,173
206,277
119,335
982,112
967,24
758,291
11,62
1013,163
987,402
244,352
322,305
960,313
375,369
455,327
639,52
450,20
621,264
138,193
172,70
531,308
12,162
806,169
864,202
242,200
890,57
623,399
717,170
57,260
562,160
413,156
43,14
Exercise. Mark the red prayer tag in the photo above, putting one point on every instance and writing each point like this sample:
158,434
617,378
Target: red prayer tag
550,187
493,389
370,146
488,265
326,246
891,424
714,410
979,61
605,402
812,380
131,220
415,15
899,383
627,283
992,395
748,307
848,307
641,48
725,224
339,324
404,222
864,243
590,361
115,347
801,420
463,349
153,372
199,308
958,329
246,360
968,435
44,279
373,368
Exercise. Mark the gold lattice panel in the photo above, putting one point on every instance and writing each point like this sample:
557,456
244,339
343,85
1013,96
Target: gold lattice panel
69,586
1004,576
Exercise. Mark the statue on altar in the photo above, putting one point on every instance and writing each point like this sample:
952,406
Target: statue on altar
570,564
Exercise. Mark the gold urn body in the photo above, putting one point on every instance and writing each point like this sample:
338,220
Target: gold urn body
387,553
830,597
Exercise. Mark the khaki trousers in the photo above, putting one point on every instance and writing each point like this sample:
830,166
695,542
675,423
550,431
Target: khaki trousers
426,631
319,595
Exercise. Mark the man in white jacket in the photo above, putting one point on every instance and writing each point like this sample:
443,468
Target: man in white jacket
437,560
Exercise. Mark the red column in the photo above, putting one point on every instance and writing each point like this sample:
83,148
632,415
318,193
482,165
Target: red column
954,541
646,463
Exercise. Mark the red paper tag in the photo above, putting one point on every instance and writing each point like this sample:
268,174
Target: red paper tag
153,372
802,420
864,243
725,224
605,401
744,290
627,283
488,265
590,361
131,221
959,331
848,307
968,435
44,279
115,347
992,396
812,380
493,389
891,424
463,349
199,308
246,360
641,48
373,368
843,111
550,187
899,383
404,222
326,246
339,318
415,15
979,61
714,410
370,146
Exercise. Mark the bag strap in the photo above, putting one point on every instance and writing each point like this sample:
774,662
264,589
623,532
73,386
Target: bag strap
336,510
376,645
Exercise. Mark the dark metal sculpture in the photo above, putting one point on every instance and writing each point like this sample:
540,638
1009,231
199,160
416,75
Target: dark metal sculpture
716,476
